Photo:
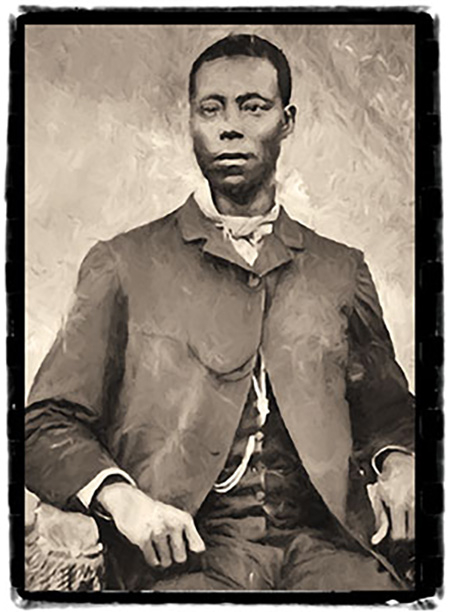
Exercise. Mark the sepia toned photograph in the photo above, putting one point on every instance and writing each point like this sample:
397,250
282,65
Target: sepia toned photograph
219,307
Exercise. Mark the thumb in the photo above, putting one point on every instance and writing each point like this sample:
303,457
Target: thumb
195,542
381,517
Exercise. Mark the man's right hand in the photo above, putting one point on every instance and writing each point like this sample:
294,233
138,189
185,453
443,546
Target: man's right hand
161,531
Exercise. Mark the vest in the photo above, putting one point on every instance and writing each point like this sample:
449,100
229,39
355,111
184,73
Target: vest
275,490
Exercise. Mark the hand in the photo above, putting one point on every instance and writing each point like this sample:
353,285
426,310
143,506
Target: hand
394,491
161,531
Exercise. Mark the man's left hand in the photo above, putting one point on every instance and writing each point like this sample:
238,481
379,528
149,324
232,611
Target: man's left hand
392,498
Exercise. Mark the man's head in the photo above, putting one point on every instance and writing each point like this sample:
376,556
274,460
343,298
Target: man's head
239,90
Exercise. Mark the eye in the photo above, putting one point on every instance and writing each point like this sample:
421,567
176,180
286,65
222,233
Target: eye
210,109
255,107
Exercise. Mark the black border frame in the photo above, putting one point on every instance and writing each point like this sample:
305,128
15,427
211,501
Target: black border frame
429,297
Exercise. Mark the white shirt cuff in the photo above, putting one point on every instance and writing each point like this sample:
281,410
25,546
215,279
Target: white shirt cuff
392,447
86,494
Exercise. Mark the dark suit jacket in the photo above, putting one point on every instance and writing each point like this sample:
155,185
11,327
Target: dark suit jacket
153,365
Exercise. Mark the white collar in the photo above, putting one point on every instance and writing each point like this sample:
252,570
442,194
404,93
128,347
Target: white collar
238,226
245,233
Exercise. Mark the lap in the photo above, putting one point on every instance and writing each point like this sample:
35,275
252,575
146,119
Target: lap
314,564
229,563
308,562
305,561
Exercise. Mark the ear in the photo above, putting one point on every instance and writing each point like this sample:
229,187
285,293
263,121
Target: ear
289,120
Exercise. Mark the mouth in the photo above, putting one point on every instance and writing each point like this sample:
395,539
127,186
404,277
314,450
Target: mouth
232,156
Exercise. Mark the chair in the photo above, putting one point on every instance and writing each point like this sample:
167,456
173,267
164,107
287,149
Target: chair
62,549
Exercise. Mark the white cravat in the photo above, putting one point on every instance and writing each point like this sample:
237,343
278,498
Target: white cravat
245,233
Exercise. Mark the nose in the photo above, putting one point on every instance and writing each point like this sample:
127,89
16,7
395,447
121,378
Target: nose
230,128
230,135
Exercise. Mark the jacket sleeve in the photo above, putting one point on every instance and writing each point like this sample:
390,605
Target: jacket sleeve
74,390
381,407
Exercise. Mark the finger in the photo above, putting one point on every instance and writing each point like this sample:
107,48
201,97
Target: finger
381,517
411,520
178,546
383,528
162,548
374,498
150,554
398,521
195,542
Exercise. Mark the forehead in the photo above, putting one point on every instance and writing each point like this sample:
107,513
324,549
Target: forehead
234,76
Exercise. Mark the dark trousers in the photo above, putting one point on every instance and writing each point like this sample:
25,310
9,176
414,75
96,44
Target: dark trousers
246,554
295,559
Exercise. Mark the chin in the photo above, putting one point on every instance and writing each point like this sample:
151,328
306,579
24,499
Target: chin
235,179
234,183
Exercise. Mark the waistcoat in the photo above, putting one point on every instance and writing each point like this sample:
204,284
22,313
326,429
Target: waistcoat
275,489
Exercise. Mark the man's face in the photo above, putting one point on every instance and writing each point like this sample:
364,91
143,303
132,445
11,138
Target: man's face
238,122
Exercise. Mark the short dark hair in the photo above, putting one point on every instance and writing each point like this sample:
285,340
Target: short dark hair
250,45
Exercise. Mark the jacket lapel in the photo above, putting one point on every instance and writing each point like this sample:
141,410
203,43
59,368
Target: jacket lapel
275,251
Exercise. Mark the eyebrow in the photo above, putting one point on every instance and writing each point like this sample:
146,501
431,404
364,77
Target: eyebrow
217,97
240,99
251,95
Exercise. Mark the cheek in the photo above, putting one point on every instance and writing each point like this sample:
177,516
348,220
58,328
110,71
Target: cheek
203,137
266,136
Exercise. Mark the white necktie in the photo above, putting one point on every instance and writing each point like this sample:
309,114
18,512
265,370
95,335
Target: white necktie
244,233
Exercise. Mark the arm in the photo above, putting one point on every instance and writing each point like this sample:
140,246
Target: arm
66,458
382,412
74,388
382,409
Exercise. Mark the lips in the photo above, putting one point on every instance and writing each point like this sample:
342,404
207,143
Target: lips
232,156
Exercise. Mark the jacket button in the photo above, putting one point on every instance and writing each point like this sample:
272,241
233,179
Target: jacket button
260,496
253,280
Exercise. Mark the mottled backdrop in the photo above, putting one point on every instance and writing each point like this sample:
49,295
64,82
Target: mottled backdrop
108,149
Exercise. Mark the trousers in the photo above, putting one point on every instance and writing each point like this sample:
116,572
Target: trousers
302,560
245,555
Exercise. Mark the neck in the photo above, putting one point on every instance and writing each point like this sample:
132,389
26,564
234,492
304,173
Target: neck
248,205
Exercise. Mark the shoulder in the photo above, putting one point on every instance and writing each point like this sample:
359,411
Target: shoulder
327,247
154,231
137,246
323,247
153,236
335,265
321,259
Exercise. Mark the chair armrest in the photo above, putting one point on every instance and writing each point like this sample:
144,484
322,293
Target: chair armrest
62,549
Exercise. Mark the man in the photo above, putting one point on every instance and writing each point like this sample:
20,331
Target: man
224,394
